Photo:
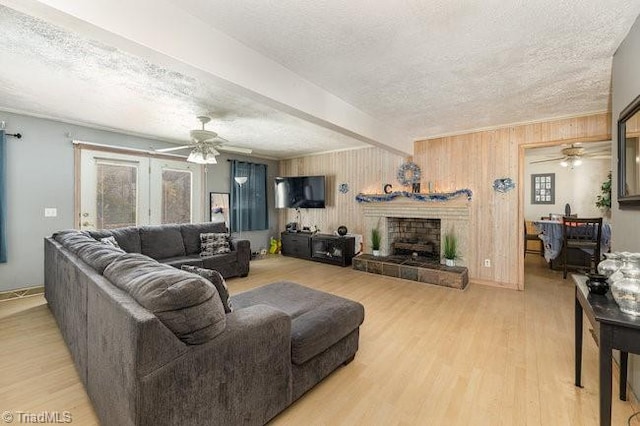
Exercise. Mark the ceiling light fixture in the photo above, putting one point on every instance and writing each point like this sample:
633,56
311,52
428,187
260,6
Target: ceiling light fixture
571,162
203,153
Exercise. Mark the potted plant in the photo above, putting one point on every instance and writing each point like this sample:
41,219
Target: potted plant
603,201
450,248
376,238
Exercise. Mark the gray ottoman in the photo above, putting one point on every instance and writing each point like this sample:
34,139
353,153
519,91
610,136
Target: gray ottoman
324,328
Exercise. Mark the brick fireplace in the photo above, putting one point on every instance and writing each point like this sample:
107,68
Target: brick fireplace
409,235
411,241
397,217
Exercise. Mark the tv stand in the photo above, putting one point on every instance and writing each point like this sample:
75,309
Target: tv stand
324,248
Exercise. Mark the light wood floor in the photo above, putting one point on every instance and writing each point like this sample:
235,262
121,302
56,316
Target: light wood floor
428,355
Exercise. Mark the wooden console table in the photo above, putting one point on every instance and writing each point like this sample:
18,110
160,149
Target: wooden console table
613,330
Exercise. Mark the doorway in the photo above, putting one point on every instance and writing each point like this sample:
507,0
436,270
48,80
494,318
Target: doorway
558,178
122,189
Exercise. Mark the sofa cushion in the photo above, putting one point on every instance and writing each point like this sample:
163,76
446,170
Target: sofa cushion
318,319
110,240
98,255
71,239
191,234
214,243
161,241
178,261
91,251
128,239
226,264
217,280
99,234
187,304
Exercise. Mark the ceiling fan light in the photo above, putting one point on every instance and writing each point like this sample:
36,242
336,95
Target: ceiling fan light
198,157
564,163
577,162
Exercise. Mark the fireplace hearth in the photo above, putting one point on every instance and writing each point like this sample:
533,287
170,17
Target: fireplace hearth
421,269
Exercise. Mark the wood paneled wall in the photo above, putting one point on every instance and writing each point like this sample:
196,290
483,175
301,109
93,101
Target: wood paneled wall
364,170
474,161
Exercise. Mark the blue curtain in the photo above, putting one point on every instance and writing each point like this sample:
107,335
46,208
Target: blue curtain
3,200
249,200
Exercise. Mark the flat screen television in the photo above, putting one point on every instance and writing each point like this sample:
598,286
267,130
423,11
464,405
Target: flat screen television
300,192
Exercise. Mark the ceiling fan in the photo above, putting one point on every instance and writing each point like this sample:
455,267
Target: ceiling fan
572,156
205,145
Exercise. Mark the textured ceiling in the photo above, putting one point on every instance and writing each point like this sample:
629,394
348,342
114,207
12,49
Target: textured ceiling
51,72
440,66
426,67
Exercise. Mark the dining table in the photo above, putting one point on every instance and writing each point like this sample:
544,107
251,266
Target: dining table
551,234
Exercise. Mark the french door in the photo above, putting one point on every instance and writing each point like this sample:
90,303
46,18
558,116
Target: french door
119,190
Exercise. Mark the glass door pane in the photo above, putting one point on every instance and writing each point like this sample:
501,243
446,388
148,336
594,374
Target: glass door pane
176,196
114,190
116,195
176,192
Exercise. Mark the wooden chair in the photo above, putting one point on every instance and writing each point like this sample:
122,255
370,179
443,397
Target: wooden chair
583,234
531,237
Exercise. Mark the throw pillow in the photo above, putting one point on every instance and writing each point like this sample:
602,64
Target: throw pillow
214,243
110,241
217,280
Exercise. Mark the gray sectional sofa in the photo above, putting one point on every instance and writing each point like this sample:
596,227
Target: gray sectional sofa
153,345
178,245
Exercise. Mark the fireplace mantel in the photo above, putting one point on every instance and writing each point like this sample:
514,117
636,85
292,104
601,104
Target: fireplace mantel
453,217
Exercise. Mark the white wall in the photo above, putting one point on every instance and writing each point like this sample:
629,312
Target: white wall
626,86
579,187
40,174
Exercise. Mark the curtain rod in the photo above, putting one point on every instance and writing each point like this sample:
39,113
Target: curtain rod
15,135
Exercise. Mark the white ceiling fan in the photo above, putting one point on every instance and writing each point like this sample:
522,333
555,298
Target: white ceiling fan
205,145
572,156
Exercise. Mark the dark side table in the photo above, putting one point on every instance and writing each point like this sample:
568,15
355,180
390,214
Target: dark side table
613,330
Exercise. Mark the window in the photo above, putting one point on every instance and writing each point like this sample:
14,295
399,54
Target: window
176,196
249,199
116,195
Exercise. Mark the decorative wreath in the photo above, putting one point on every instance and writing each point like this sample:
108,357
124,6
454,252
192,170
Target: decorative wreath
503,185
409,173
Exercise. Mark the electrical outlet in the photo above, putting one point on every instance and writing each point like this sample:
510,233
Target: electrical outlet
50,212
487,263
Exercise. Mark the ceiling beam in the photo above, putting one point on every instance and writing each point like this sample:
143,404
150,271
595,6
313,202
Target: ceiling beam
160,31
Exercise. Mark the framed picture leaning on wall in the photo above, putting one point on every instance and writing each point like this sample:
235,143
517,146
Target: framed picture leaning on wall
543,189
219,207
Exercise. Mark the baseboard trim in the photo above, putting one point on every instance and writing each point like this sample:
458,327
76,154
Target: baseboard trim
20,293
499,284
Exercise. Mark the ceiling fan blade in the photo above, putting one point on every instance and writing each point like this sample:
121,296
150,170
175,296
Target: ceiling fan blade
599,156
545,161
177,148
237,149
